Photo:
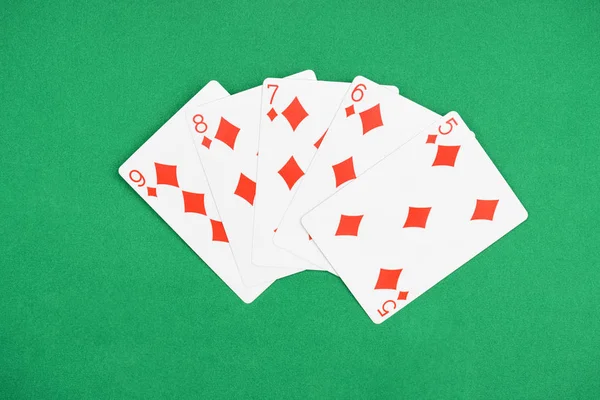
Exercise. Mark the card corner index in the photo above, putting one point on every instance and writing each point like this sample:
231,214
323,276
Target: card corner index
125,171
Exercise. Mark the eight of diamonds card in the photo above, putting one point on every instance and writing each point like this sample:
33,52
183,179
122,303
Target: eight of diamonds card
167,174
225,134
371,122
414,218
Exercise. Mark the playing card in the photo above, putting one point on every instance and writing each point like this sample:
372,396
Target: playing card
415,217
295,116
167,174
370,123
225,134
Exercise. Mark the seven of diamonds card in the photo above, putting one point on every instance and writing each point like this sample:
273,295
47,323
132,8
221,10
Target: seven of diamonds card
415,217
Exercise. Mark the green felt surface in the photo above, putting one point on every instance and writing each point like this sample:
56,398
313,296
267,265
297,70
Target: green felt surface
99,299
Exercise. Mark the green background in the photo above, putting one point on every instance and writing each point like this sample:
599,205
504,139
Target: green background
100,299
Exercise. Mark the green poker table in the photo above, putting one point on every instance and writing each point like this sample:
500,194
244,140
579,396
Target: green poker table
100,299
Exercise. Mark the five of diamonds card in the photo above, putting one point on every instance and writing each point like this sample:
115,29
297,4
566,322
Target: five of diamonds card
350,178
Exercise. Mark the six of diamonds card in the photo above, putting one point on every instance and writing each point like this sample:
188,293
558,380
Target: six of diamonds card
346,177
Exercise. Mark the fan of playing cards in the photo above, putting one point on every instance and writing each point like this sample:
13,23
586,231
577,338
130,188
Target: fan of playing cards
349,178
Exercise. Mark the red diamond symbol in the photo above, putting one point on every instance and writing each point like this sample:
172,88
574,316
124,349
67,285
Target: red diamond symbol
318,142
166,174
402,295
344,171
291,172
431,138
295,113
246,189
193,202
206,142
417,217
272,114
350,110
348,225
227,133
388,278
152,191
218,231
371,119
446,155
485,209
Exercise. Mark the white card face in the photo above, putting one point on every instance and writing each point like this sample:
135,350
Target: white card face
225,134
294,118
167,174
371,122
415,217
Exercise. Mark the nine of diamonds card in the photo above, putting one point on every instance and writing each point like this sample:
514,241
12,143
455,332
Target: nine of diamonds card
349,178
